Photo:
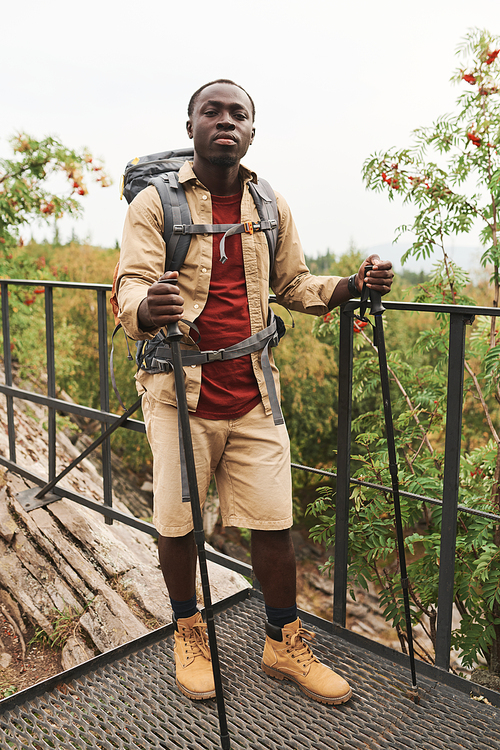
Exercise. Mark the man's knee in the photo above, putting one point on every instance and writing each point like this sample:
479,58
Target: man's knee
280,536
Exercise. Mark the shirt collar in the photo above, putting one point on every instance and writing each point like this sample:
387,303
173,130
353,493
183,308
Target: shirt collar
186,173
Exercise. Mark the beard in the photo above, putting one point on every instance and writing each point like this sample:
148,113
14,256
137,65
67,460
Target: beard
224,161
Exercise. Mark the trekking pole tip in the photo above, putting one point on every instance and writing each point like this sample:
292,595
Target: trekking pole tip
413,695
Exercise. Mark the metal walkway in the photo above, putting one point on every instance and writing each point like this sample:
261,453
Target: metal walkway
128,699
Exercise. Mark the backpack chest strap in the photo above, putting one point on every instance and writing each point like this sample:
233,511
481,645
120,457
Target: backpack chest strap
248,227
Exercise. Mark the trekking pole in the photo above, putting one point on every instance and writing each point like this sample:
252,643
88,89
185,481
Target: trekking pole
377,309
174,336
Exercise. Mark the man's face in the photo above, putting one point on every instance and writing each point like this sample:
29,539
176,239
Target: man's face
221,124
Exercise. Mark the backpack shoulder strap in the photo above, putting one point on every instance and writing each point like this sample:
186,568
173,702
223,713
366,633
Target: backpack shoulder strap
175,212
267,208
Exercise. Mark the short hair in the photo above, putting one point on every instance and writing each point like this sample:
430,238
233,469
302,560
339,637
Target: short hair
196,94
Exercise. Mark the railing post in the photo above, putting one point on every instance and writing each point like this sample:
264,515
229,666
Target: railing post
51,378
102,323
451,485
8,370
343,467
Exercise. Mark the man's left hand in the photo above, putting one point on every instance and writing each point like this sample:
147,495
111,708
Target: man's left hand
379,278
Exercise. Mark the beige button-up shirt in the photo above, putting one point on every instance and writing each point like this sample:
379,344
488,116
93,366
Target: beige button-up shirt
142,262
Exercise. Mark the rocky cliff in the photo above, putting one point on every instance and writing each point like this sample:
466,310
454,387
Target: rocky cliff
63,569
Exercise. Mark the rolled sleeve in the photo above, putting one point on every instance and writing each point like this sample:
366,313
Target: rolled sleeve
142,259
292,282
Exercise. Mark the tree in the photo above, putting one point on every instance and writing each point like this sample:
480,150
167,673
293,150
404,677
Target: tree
451,175
30,192
25,191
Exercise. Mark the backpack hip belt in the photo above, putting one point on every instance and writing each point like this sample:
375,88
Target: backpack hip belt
155,356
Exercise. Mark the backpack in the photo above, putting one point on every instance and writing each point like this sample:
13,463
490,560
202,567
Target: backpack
161,170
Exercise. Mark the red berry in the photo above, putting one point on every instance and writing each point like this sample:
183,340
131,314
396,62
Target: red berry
471,135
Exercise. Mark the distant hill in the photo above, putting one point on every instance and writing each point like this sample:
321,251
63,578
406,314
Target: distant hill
467,257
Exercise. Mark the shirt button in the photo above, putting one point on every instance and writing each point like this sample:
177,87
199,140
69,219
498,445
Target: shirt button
204,197
196,307
193,365
203,270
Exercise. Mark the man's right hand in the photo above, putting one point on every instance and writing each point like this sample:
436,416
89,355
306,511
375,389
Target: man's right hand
163,304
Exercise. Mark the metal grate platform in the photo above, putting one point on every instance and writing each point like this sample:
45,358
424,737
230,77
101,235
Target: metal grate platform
133,702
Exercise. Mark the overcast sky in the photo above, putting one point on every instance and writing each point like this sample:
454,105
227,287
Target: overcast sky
332,82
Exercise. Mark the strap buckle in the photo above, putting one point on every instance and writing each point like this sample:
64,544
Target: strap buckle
179,229
248,227
215,356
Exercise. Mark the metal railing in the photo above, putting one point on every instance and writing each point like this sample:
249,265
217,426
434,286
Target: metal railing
459,317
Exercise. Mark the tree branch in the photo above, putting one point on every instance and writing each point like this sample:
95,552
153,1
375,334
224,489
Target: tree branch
483,403
405,395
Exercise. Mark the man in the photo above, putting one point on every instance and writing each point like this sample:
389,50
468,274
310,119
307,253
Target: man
234,434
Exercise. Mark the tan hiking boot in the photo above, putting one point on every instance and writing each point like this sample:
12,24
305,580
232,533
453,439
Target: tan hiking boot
286,656
193,665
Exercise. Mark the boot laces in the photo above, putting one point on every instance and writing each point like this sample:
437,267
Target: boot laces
196,640
301,652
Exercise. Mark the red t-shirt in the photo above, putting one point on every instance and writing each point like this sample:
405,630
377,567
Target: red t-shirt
228,389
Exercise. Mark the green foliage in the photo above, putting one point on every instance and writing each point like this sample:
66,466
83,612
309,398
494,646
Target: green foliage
77,359
309,393
7,690
65,623
27,319
451,175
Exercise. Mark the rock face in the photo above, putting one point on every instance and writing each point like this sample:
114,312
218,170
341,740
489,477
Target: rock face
64,569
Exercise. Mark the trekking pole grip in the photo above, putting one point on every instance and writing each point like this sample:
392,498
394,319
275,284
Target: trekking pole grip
377,307
173,331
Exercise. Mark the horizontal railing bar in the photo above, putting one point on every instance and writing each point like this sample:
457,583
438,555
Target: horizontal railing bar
59,284
82,411
427,307
137,426
410,495
238,566
217,557
105,510
388,304
448,309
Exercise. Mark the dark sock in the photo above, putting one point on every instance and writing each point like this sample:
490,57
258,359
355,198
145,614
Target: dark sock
281,616
187,608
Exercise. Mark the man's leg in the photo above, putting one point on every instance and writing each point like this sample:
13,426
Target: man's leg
254,483
178,564
193,669
176,546
273,562
286,653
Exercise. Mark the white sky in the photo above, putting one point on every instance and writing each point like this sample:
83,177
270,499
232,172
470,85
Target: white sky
332,82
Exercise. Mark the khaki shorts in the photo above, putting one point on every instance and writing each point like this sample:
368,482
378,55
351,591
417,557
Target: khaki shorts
249,457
